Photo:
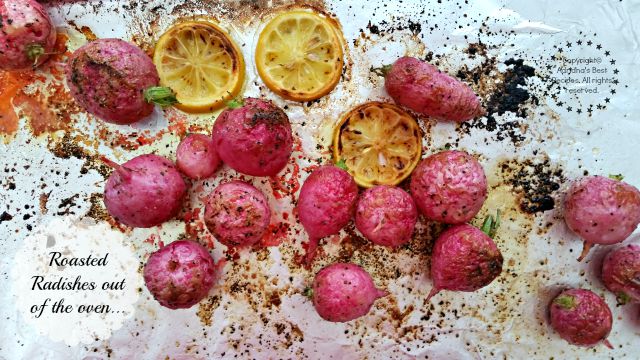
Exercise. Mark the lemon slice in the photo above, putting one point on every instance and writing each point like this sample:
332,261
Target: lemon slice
299,55
201,63
379,143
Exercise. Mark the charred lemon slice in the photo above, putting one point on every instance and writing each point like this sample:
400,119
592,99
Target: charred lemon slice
200,62
299,55
378,143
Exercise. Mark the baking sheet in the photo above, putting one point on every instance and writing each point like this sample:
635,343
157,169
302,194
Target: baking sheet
530,140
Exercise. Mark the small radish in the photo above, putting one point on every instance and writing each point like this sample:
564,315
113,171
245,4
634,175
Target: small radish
601,211
449,187
581,317
180,274
621,273
326,204
237,214
344,292
145,191
424,89
386,215
197,157
27,35
465,258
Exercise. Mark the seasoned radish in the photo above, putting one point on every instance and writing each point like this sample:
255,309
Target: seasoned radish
344,292
27,35
180,274
581,317
237,214
465,258
254,138
116,81
326,204
424,89
386,215
601,211
621,273
197,157
449,187
145,191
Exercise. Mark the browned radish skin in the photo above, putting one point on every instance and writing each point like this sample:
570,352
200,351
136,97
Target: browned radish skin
254,137
27,35
237,214
424,89
116,81
465,258
180,274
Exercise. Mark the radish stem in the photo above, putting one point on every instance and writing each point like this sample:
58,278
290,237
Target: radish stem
160,95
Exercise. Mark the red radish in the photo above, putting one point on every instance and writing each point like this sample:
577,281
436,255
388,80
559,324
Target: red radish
197,157
145,191
449,187
621,273
423,88
180,274
601,211
116,81
254,138
464,258
326,204
581,317
27,35
237,214
386,215
344,292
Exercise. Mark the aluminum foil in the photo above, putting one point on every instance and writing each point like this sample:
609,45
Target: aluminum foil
549,121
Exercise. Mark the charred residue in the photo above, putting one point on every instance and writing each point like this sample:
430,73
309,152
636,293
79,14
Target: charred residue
97,210
67,148
206,309
537,183
503,92
397,24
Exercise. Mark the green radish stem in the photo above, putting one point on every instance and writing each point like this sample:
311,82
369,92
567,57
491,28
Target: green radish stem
235,103
618,177
308,292
566,302
160,95
491,224
34,52
381,71
623,298
342,165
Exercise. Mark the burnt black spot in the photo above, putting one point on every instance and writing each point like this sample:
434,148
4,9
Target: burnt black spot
5,217
537,183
